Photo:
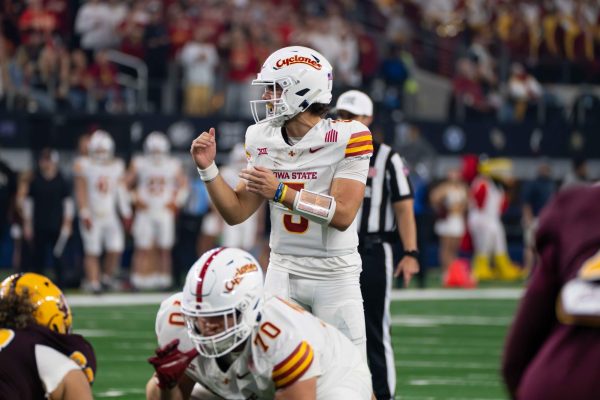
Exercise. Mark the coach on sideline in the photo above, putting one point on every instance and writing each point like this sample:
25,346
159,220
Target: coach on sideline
388,203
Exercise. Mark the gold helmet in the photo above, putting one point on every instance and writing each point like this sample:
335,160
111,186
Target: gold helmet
50,306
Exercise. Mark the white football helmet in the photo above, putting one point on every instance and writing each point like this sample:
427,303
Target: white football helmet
303,77
102,146
224,283
156,144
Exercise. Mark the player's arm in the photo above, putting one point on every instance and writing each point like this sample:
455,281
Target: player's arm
131,174
182,189
301,390
407,228
81,195
348,195
74,386
234,205
182,391
401,195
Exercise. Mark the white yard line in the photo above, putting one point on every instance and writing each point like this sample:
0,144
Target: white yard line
436,320
130,299
457,294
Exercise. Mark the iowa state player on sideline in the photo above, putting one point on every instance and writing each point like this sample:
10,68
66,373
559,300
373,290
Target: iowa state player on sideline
313,173
39,357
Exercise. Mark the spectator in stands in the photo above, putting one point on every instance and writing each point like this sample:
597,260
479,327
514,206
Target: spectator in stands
79,80
36,18
553,348
199,59
43,76
524,92
395,73
578,174
156,42
368,55
96,21
132,39
47,214
103,83
468,98
347,67
180,28
243,66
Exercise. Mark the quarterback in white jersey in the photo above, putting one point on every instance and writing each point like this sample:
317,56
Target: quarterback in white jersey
99,189
247,346
161,189
313,172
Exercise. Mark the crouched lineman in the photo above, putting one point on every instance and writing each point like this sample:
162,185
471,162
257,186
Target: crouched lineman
221,338
39,357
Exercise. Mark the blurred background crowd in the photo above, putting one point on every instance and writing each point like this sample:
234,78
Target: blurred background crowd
198,56
447,61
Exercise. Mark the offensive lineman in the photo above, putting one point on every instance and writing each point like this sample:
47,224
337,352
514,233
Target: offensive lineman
223,333
161,189
99,187
313,173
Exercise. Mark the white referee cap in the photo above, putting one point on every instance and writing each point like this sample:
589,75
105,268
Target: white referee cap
355,102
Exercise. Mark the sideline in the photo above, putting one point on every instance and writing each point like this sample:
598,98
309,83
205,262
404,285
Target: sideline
131,299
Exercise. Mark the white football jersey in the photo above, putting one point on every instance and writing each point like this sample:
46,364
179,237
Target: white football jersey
329,150
102,181
156,180
288,344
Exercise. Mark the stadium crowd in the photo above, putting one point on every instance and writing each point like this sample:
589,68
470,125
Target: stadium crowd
55,55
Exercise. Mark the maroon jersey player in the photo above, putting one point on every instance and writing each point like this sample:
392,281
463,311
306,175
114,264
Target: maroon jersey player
556,355
39,357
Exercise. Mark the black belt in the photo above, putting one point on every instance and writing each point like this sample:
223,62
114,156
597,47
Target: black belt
371,239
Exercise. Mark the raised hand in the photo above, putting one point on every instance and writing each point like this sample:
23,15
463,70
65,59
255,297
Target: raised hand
204,149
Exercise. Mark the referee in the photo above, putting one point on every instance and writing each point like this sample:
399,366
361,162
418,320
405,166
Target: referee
388,203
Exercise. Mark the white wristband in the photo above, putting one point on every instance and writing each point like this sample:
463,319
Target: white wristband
317,207
209,174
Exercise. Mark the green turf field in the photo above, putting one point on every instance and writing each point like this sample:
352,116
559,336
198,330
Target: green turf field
445,348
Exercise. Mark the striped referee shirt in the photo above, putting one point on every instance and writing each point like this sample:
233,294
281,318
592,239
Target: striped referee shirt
387,183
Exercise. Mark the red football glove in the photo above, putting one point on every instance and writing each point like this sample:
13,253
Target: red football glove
170,364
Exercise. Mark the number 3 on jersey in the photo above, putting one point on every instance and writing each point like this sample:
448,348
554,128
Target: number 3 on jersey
295,223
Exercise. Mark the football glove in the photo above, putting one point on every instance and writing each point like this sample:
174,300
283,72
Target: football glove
170,364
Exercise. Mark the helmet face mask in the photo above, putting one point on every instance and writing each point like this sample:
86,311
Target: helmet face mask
222,298
156,145
229,333
50,306
102,146
297,77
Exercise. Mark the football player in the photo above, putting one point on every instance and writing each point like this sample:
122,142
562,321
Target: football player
99,188
313,173
39,356
161,189
222,333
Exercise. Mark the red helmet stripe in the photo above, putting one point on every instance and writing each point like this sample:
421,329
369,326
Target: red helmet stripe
203,272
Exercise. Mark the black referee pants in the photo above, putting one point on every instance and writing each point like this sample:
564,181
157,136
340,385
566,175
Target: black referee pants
378,263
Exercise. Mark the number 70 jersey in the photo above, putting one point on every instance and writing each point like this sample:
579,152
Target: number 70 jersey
331,149
287,345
